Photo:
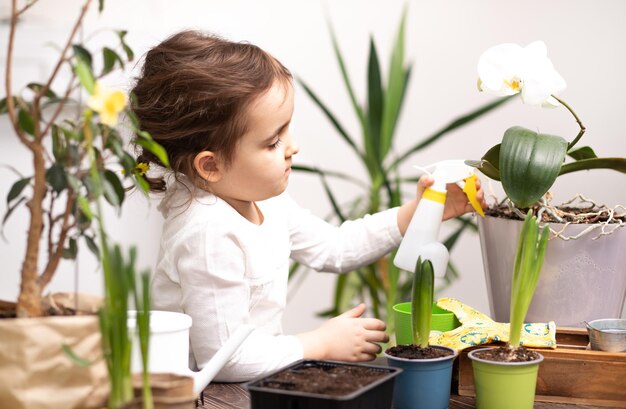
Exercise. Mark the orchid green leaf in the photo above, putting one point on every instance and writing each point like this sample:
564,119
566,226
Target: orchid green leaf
617,164
529,164
582,153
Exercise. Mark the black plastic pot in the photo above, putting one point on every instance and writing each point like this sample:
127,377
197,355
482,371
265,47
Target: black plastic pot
375,395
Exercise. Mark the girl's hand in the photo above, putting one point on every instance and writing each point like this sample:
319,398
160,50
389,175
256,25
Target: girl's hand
346,337
456,202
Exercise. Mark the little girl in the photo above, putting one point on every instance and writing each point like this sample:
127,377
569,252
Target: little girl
222,112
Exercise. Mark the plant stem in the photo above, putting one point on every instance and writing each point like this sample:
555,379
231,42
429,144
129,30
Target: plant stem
578,121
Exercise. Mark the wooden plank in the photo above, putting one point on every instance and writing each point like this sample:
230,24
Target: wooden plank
235,396
225,396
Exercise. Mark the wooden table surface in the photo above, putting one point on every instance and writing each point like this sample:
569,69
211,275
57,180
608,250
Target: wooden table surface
235,396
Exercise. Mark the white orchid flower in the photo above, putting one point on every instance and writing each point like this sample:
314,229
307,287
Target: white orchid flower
508,69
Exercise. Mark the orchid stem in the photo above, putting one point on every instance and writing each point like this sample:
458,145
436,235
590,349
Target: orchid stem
578,121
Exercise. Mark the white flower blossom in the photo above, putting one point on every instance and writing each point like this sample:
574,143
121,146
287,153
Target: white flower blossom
508,69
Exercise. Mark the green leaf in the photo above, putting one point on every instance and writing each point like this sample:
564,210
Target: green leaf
422,301
617,164
3,106
37,87
331,117
346,78
130,55
10,210
455,124
529,164
82,54
16,189
489,165
109,57
582,153
148,143
26,122
142,183
100,6
85,76
113,188
59,149
395,90
83,204
531,246
81,362
91,244
71,251
375,98
56,178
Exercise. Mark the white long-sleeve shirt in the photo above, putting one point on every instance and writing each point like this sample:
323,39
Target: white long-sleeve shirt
225,271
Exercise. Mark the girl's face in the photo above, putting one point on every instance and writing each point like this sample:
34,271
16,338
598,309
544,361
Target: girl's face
262,159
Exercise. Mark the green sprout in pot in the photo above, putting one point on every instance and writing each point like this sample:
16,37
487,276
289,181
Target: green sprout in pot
421,316
422,302
531,249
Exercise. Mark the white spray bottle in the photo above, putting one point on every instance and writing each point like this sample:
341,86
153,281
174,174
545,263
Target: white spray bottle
422,235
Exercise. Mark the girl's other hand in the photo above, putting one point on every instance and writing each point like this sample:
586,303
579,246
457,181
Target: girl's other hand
347,337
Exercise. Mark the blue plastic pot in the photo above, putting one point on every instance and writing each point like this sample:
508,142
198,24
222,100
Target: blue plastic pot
423,383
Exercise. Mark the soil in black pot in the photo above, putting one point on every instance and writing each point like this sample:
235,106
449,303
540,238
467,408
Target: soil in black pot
508,354
326,380
413,351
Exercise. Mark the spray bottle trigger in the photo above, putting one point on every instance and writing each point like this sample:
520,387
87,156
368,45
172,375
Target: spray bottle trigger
470,190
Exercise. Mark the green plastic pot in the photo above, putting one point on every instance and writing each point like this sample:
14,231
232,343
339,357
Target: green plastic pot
508,385
442,320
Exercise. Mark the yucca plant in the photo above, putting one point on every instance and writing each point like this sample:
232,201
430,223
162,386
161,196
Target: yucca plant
378,117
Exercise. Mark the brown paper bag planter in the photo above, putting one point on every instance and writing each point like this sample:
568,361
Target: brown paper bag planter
35,372
569,374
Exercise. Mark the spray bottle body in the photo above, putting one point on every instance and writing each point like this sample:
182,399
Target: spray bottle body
421,237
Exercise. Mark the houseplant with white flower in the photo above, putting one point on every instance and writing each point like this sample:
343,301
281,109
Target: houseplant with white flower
527,163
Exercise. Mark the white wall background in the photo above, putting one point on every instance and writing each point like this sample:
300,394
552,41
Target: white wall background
585,40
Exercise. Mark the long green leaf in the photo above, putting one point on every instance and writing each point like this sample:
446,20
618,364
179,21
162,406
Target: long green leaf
618,164
456,123
340,175
529,164
395,90
346,78
17,188
531,247
333,201
375,99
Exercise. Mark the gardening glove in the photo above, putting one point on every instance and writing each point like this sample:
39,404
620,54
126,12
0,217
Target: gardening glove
477,329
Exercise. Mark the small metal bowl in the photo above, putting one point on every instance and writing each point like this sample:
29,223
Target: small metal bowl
607,334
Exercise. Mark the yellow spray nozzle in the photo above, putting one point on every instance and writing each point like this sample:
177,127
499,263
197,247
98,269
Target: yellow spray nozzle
470,190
